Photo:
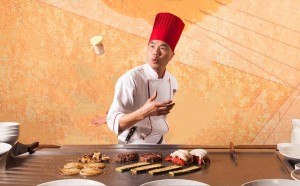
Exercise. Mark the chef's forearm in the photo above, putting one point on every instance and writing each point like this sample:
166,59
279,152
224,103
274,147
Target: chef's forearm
128,120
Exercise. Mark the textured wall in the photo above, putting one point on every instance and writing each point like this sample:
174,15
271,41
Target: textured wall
237,65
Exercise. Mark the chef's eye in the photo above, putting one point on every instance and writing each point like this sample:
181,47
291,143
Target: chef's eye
164,48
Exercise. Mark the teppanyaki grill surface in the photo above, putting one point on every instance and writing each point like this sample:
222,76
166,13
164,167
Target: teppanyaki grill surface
44,165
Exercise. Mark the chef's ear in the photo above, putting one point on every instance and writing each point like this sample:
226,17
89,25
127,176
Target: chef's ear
172,55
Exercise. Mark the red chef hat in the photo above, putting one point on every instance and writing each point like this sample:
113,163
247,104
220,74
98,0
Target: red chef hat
168,28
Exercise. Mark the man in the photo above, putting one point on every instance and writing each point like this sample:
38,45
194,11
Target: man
143,95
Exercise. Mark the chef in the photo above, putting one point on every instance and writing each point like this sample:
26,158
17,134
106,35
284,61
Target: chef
143,95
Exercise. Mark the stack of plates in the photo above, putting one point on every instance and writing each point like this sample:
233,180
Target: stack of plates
292,152
9,132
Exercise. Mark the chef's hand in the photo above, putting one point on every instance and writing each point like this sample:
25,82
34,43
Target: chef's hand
150,108
99,120
154,108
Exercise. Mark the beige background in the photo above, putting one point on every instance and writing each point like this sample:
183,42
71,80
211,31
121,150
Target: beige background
237,65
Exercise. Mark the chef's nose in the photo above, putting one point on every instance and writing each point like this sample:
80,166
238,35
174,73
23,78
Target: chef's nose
156,51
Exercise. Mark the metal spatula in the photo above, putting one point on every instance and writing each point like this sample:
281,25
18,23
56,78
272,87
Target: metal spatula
19,149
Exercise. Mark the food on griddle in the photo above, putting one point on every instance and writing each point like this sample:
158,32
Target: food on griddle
145,168
131,166
183,157
180,157
127,157
200,156
90,171
151,157
85,158
89,164
94,165
164,169
69,171
184,171
73,165
93,157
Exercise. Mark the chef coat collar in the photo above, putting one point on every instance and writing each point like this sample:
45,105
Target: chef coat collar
151,72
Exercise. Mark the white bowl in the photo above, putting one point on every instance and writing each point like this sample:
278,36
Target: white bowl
3,137
11,139
9,131
9,125
9,134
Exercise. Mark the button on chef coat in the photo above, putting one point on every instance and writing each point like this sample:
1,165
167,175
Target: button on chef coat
131,92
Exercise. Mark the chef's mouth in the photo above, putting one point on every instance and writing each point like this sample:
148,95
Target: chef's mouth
154,60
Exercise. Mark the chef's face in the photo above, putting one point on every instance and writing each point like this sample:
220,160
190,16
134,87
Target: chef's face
159,54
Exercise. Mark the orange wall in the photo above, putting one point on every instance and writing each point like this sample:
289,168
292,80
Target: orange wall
237,64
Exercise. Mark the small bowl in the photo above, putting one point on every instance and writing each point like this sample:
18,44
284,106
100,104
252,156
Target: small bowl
9,133
10,130
11,139
9,125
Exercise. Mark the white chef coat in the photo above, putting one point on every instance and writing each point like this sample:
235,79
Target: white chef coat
132,91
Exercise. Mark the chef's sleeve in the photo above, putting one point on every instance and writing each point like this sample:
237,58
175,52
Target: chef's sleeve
122,102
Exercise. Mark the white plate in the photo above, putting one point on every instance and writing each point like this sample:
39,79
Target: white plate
73,182
4,147
280,146
272,182
295,174
292,151
173,182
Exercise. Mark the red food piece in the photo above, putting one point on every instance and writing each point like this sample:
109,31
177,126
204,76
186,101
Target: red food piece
176,160
168,158
200,161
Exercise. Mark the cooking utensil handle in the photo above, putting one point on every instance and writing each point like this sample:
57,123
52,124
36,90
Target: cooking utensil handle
132,130
32,147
